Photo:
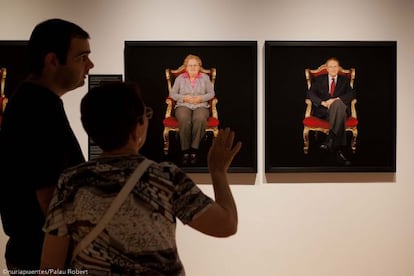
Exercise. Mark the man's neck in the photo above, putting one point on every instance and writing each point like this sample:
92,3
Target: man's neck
45,82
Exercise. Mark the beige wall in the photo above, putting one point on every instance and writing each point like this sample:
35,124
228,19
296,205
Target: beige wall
363,227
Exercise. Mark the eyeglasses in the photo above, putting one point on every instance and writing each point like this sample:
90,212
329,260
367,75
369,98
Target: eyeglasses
148,112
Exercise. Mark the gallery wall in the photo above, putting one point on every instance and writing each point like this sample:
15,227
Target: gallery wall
290,224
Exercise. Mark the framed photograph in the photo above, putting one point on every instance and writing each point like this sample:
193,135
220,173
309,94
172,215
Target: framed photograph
235,88
13,57
94,80
294,141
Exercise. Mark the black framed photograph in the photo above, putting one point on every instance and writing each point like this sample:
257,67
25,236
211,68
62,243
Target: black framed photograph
13,69
298,139
231,67
13,57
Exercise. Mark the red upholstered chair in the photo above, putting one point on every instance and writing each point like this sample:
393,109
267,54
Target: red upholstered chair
170,122
3,99
312,123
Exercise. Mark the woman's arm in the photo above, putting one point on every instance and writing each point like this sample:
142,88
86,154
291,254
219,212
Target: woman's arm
175,90
209,93
220,220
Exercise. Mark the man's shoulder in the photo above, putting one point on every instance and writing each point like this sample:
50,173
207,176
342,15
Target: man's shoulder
342,77
31,91
321,77
317,81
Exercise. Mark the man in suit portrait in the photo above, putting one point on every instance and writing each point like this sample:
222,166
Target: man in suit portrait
331,95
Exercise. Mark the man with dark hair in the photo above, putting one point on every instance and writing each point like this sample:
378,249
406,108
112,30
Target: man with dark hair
331,95
36,140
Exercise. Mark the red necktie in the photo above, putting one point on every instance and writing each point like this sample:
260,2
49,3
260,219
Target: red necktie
331,91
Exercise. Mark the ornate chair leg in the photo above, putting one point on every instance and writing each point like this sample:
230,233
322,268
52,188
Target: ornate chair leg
305,140
354,137
215,131
166,140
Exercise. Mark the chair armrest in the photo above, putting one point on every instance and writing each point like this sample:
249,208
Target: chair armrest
353,109
308,108
170,102
213,103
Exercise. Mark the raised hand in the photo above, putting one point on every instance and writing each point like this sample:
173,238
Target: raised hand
222,151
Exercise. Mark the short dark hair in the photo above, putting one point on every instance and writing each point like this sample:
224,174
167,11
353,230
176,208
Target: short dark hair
52,36
110,112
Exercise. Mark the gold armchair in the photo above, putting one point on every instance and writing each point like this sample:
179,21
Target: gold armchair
312,123
170,122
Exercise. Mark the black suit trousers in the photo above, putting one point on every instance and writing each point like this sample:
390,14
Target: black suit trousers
337,114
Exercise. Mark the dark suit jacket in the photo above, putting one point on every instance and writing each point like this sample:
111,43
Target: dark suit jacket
319,91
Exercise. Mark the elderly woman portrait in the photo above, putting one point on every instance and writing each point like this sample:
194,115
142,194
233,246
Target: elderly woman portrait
192,90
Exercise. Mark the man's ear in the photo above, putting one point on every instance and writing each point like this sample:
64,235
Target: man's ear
51,60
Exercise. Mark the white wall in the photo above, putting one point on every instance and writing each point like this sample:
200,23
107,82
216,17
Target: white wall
362,227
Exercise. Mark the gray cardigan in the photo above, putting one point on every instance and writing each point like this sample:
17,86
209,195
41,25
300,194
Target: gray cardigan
182,87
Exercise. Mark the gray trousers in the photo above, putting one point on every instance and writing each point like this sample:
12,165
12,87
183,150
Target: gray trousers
192,124
337,117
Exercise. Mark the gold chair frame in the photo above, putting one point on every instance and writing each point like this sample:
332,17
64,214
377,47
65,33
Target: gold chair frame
3,74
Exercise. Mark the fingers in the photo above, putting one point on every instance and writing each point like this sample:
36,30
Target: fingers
229,139
226,138
236,149
222,151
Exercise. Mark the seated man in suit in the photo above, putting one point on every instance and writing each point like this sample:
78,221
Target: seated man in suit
331,95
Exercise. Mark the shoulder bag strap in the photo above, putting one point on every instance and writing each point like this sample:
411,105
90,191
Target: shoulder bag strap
113,208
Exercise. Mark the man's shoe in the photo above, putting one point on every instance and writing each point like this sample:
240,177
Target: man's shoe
185,159
341,159
193,158
324,146
327,145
